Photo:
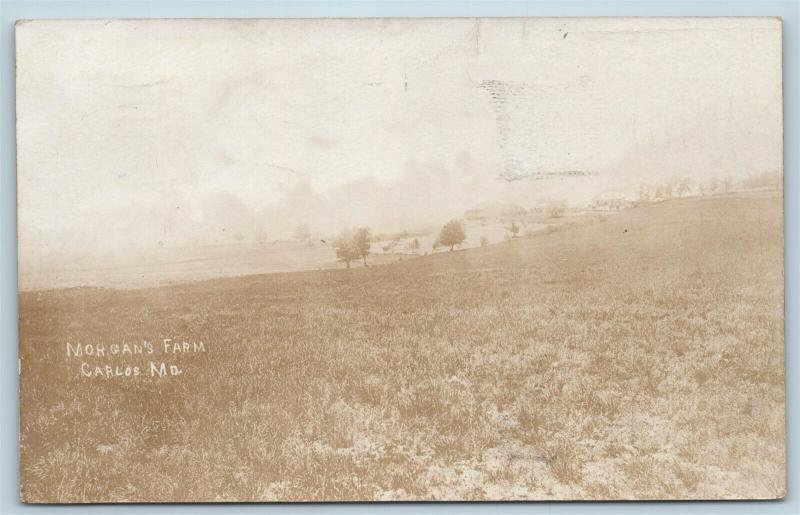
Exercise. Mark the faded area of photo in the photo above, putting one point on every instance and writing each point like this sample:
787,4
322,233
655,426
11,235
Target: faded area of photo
400,259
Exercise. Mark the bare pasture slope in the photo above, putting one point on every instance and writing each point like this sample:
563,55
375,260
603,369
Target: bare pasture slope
641,357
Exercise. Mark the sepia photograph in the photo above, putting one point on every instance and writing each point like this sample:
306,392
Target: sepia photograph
400,259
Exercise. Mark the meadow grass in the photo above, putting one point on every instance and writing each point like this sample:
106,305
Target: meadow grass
639,358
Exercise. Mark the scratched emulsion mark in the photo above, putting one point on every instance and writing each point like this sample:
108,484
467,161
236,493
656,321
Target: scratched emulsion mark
525,122
511,176
505,97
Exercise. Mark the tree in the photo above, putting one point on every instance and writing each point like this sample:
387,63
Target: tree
301,232
727,184
514,229
362,241
484,241
644,192
452,234
554,210
683,186
414,245
346,251
713,186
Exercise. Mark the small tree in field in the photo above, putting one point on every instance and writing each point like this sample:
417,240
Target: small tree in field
644,192
514,229
362,241
452,234
554,210
346,251
727,184
683,186
414,245
713,185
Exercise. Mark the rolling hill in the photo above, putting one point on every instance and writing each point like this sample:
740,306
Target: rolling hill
639,354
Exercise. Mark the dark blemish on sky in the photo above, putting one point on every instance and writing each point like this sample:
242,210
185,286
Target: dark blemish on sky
565,35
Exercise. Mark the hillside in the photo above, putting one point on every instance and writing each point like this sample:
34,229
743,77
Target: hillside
167,265
637,355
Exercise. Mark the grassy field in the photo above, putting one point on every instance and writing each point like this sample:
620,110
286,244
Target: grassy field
638,358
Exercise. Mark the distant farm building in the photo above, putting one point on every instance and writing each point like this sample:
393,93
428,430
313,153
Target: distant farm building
494,211
611,201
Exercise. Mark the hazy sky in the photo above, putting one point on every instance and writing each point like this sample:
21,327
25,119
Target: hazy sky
133,133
